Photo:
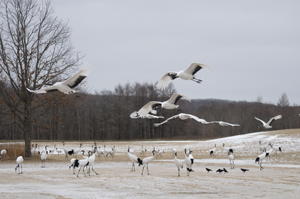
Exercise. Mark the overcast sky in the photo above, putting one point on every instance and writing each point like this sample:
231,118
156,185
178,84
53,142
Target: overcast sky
252,47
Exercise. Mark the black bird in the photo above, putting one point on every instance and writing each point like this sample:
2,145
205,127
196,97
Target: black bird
71,152
189,170
244,170
225,170
219,170
208,170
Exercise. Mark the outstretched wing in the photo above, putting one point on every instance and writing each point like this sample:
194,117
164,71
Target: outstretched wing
175,97
150,116
148,108
170,118
76,79
203,121
166,80
43,90
195,67
260,120
274,118
221,123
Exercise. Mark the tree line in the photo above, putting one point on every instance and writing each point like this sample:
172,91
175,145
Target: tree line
105,116
36,50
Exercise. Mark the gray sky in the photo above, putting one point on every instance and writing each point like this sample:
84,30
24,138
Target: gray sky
252,47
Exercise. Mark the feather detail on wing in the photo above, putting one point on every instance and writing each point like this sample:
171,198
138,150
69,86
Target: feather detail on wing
175,97
274,118
259,120
43,90
170,118
199,119
76,79
148,108
195,67
166,80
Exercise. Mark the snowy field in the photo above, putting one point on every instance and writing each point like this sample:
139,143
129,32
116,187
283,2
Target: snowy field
279,178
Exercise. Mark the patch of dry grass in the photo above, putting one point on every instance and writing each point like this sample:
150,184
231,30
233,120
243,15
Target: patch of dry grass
13,150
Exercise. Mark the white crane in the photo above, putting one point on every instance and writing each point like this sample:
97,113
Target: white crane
151,106
231,160
67,151
227,149
191,156
260,158
67,86
267,125
273,151
135,115
81,164
144,151
188,162
106,151
261,147
77,150
91,160
43,158
160,152
130,150
19,161
51,150
133,159
146,161
100,151
3,152
221,123
187,74
34,149
112,152
151,116
212,151
276,148
182,116
174,150
178,163
73,161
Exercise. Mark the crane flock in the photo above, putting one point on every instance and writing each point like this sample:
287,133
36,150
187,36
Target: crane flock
149,111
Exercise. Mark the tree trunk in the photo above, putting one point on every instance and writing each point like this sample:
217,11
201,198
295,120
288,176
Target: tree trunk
27,128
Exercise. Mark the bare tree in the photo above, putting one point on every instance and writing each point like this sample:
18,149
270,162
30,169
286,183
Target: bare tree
35,49
283,100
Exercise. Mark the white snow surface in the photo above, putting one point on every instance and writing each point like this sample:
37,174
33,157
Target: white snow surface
279,178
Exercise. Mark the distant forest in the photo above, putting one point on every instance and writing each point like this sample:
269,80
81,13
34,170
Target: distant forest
105,116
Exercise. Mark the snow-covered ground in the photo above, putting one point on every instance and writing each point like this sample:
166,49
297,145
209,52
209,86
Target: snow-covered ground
279,178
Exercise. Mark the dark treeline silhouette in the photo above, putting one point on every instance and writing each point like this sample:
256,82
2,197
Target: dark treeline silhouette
105,116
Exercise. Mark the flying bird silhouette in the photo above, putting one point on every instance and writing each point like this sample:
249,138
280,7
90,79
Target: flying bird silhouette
187,74
151,106
267,125
182,116
221,123
67,86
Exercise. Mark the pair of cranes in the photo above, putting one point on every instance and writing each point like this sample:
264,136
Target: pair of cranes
149,110
189,160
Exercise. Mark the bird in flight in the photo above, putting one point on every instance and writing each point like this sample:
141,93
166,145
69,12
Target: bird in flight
221,123
182,116
267,125
187,74
67,86
151,106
